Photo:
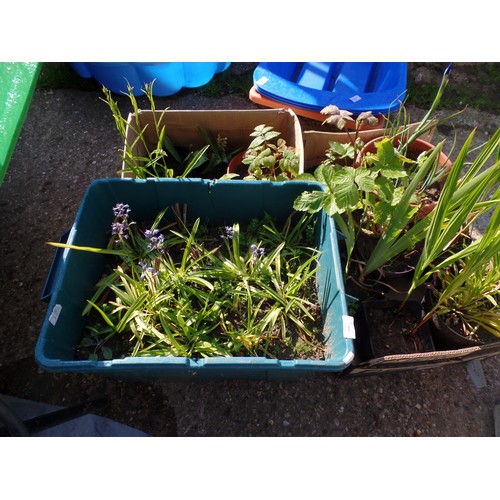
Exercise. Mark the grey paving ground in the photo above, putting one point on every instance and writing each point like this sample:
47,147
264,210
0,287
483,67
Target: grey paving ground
69,139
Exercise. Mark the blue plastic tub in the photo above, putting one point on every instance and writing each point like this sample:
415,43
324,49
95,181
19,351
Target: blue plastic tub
379,87
221,202
169,77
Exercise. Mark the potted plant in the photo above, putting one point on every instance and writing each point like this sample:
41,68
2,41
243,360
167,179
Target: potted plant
468,192
385,196
369,204
157,158
219,324
186,289
345,152
456,279
463,305
267,157
463,279
462,199
396,152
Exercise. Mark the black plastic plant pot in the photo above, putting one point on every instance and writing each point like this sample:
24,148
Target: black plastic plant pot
448,338
444,336
387,327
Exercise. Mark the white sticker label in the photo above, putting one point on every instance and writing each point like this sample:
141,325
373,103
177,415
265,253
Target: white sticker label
355,98
262,80
55,314
349,330
347,359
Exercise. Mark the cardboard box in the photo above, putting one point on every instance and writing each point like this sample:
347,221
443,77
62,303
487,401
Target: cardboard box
316,142
420,361
236,125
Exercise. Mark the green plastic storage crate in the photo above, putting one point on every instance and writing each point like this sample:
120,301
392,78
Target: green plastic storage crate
221,202
17,83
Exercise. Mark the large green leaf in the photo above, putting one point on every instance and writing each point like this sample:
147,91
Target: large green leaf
340,150
365,179
310,201
327,176
346,195
390,163
345,175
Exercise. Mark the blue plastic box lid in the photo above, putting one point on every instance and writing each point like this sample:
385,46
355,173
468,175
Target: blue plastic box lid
379,87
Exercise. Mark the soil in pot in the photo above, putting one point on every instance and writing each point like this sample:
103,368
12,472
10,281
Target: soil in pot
388,329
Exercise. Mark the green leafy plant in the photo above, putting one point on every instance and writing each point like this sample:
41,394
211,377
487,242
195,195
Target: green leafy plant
175,290
463,199
365,200
345,152
267,158
466,296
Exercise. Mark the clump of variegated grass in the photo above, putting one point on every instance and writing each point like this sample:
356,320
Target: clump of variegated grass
178,291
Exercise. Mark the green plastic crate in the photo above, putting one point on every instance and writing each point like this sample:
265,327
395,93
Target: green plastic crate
17,83
220,202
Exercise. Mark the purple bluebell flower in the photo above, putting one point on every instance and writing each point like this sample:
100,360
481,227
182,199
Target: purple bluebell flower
156,239
120,225
228,232
149,234
119,229
121,210
147,269
257,252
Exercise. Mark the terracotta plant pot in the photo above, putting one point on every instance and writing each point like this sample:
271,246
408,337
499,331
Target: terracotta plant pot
417,147
236,165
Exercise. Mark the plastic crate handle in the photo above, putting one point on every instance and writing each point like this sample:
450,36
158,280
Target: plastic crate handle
54,270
